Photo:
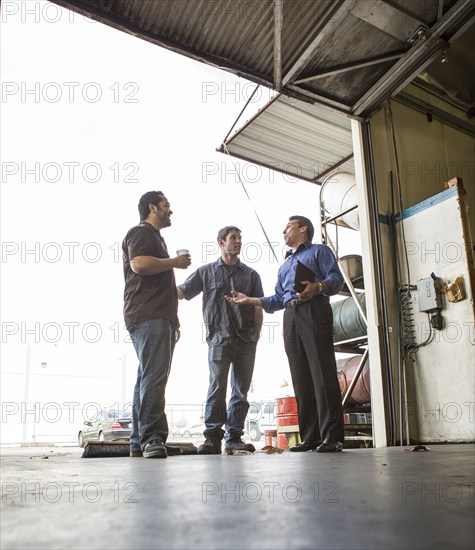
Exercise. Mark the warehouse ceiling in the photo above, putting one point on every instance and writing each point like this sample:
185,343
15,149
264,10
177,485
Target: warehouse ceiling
350,55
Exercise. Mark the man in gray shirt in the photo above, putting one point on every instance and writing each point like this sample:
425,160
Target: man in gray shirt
232,333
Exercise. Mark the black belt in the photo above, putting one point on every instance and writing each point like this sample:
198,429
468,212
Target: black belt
294,302
297,301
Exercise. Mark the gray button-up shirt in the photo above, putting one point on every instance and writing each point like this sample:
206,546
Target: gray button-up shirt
224,321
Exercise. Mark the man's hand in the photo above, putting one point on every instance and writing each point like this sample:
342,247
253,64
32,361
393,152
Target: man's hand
310,290
177,335
256,329
254,337
182,262
241,299
238,298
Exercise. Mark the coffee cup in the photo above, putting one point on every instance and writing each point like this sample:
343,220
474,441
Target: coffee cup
182,252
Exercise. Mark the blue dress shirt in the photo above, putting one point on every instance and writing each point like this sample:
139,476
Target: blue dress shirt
317,257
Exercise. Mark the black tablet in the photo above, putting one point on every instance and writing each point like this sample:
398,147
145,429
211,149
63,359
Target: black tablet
302,273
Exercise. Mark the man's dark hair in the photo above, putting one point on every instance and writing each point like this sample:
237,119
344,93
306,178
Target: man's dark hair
301,221
153,197
223,233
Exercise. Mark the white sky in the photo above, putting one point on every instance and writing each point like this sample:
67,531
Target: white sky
91,119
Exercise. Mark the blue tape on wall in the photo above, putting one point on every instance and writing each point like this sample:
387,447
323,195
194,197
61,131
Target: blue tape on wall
424,205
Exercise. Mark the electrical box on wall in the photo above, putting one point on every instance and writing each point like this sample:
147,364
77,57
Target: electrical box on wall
428,294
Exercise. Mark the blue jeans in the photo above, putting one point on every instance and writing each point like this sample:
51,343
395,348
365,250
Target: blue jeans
154,342
241,356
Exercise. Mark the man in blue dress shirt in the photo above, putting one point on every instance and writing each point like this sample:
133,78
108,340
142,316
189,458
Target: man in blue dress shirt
308,335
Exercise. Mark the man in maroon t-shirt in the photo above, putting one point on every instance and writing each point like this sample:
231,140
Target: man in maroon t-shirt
150,314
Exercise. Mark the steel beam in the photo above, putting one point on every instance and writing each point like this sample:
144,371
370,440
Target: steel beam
417,58
332,19
278,20
351,67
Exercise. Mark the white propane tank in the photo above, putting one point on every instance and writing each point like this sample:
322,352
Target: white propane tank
338,192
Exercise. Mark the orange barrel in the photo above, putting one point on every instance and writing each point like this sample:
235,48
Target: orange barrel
287,412
286,417
286,406
346,369
282,442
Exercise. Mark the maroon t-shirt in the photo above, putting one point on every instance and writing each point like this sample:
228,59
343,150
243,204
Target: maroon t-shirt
147,297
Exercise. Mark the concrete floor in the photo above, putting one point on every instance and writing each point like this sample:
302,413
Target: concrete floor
361,498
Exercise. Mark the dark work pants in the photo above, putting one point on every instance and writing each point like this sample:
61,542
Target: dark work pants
308,339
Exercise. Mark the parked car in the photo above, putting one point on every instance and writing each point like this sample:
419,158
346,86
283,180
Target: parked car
189,431
261,417
106,425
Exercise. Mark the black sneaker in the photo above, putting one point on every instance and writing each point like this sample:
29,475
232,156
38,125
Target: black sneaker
211,446
136,452
304,447
173,451
330,446
237,444
155,449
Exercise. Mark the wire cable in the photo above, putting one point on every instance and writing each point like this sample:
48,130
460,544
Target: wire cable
240,114
250,201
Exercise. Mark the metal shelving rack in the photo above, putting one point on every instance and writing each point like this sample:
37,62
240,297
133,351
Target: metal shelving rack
361,432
